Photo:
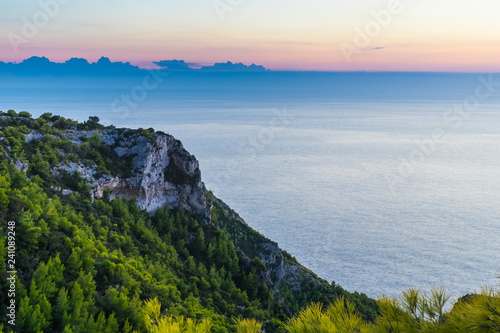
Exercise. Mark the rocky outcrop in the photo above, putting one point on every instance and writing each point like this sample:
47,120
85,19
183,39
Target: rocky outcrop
164,173
21,166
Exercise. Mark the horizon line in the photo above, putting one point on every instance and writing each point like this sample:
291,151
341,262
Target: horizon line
267,70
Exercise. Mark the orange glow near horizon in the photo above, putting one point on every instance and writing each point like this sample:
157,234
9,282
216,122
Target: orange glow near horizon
310,58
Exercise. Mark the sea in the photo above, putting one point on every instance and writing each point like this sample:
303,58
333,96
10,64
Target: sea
377,181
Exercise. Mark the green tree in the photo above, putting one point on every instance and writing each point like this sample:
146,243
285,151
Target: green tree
49,277
475,313
30,318
199,244
157,323
4,190
341,316
61,310
80,309
248,326
413,312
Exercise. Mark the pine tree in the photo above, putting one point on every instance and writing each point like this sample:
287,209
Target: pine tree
111,325
80,313
49,277
74,264
24,315
62,309
199,244
100,323
30,318
37,298
248,326
4,199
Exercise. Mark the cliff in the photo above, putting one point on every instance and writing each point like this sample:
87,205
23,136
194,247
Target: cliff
164,173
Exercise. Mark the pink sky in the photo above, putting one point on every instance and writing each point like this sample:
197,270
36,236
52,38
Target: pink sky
282,35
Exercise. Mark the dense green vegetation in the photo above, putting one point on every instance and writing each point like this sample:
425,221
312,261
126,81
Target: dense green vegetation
105,265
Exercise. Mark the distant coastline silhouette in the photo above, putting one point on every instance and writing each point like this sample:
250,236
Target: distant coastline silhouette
104,66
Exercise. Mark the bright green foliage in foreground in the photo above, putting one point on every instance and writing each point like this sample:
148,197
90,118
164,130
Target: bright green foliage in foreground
248,326
414,312
157,323
340,316
475,313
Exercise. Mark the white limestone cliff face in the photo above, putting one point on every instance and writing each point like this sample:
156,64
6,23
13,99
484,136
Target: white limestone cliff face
164,173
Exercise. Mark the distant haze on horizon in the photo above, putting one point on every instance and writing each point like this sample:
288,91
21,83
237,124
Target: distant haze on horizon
324,35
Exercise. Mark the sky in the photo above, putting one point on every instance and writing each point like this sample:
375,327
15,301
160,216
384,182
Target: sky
320,35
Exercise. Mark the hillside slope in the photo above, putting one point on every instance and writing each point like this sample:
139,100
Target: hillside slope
106,219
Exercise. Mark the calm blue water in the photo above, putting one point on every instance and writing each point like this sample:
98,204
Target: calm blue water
341,170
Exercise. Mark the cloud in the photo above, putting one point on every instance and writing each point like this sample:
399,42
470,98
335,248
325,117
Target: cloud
195,65
173,65
181,65
390,46
230,67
